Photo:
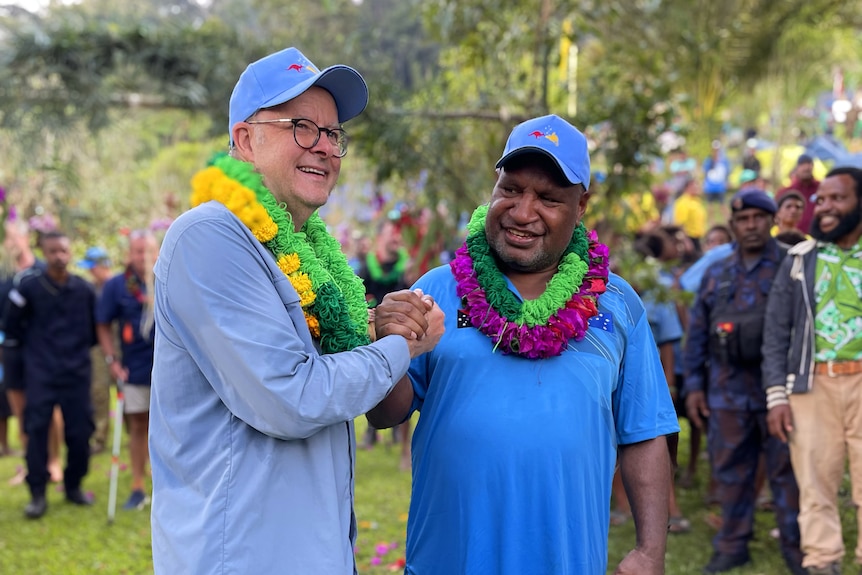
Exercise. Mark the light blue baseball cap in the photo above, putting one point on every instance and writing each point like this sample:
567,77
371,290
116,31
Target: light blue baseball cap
93,257
283,76
556,138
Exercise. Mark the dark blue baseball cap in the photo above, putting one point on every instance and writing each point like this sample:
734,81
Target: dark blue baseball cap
753,199
283,76
557,139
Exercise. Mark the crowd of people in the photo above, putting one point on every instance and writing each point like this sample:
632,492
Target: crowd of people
549,387
746,365
56,379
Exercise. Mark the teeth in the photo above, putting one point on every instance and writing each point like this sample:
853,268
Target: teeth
312,171
520,234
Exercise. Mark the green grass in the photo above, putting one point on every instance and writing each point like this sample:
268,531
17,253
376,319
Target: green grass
71,540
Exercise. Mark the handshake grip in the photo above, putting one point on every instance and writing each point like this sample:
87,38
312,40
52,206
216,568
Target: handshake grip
414,316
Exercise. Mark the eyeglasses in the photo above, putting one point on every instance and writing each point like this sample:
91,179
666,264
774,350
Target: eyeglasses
306,133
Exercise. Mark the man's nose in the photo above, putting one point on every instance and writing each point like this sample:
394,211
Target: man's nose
524,208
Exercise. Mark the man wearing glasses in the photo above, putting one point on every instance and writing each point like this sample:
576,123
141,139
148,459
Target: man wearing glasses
262,352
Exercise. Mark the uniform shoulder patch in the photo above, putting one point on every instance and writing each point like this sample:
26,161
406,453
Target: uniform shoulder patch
16,298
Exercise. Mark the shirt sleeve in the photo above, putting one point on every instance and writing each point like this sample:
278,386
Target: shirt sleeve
17,311
696,350
778,327
222,301
108,303
668,328
642,404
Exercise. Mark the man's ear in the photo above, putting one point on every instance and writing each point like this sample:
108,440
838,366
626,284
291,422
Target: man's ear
582,203
243,141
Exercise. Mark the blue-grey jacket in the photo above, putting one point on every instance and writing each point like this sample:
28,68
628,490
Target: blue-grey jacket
251,429
788,334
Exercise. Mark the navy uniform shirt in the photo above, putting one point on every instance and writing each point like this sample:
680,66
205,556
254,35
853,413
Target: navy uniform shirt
117,303
13,368
730,386
54,328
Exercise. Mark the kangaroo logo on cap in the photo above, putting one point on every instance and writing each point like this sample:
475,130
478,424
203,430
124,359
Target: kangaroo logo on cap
549,134
737,204
299,67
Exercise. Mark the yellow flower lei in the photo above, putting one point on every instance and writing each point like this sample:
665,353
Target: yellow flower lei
331,295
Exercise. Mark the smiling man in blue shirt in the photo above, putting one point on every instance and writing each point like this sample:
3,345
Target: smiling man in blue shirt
262,354
555,357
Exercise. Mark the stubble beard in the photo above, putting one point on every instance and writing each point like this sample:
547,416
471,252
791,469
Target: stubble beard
538,261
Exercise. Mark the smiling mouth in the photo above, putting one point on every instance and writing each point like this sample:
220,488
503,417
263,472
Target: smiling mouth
313,171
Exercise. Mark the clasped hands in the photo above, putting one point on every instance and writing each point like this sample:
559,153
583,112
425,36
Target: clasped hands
414,316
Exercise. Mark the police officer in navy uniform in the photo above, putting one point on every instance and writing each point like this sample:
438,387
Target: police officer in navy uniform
51,324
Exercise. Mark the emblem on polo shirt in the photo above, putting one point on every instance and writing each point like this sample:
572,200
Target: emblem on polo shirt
463,320
603,321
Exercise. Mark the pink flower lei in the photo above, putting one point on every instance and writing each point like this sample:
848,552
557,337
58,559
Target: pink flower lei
513,331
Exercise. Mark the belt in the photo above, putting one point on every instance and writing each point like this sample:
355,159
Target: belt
835,368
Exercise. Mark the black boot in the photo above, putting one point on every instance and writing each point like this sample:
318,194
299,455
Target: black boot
37,507
721,562
793,560
78,497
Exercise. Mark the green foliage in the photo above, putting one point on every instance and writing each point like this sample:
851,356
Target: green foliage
448,80
629,103
122,177
73,67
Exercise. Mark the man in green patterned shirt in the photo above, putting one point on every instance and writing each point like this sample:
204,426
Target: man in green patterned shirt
812,365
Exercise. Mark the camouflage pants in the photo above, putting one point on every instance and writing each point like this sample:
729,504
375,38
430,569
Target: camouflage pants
735,440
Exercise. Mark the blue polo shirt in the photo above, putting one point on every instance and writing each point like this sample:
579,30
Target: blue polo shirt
117,304
513,458
663,320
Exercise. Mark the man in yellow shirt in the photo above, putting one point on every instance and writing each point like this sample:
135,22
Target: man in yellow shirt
689,211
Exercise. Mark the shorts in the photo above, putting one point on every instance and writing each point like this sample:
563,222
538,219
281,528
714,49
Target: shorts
137,398
715,197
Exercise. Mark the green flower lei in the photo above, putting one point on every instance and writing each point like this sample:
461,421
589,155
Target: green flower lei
375,270
337,301
570,275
